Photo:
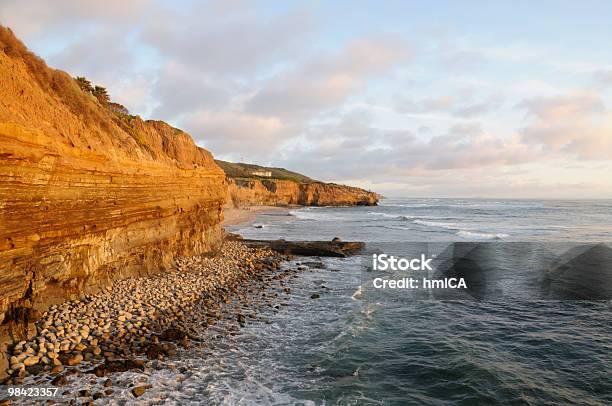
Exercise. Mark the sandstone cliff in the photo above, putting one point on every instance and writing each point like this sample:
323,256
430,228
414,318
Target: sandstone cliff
88,194
284,188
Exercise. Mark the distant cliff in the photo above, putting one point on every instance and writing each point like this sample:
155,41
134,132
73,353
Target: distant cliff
250,185
89,193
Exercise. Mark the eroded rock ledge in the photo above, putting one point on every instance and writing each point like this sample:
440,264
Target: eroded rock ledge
278,192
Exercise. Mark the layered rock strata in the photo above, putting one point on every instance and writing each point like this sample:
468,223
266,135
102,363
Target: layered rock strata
278,192
88,195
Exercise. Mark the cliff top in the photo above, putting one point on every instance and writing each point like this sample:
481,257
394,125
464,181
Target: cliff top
76,118
244,170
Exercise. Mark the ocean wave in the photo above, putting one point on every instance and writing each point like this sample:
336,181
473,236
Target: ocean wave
481,236
408,217
387,215
357,294
396,228
406,205
391,216
463,232
312,215
448,226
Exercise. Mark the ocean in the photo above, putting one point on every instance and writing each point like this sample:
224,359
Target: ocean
385,348
336,341
446,220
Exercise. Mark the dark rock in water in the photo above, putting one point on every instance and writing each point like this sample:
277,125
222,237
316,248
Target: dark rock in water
314,264
117,366
99,371
336,239
173,334
241,319
108,383
154,351
339,249
169,349
98,395
258,226
315,296
84,393
59,381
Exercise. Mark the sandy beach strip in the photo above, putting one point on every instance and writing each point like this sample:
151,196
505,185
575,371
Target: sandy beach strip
247,215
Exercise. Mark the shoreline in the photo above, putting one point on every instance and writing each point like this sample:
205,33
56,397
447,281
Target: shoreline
140,322
233,217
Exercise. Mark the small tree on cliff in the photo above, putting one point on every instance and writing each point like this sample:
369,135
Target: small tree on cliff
118,108
101,94
84,84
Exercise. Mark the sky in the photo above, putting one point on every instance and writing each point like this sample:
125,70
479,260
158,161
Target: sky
407,98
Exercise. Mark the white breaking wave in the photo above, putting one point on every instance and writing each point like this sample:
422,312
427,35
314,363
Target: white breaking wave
462,232
448,226
309,214
481,236
357,294
391,216
376,213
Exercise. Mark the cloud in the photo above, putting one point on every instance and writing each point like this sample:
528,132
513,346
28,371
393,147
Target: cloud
603,77
31,18
220,40
235,133
181,89
575,124
565,107
326,79
427,105
112,56
461,105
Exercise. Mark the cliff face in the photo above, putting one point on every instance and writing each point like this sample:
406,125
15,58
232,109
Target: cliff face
88,195
277,192
252,185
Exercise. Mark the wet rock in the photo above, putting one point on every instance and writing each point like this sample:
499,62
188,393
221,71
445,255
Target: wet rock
84,393
155,351
140,390
60,380
315,296
172,334
314,264
113,366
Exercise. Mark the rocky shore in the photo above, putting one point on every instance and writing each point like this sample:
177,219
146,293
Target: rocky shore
140,321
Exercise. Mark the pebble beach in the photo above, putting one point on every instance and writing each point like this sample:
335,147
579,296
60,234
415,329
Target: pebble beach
139,322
